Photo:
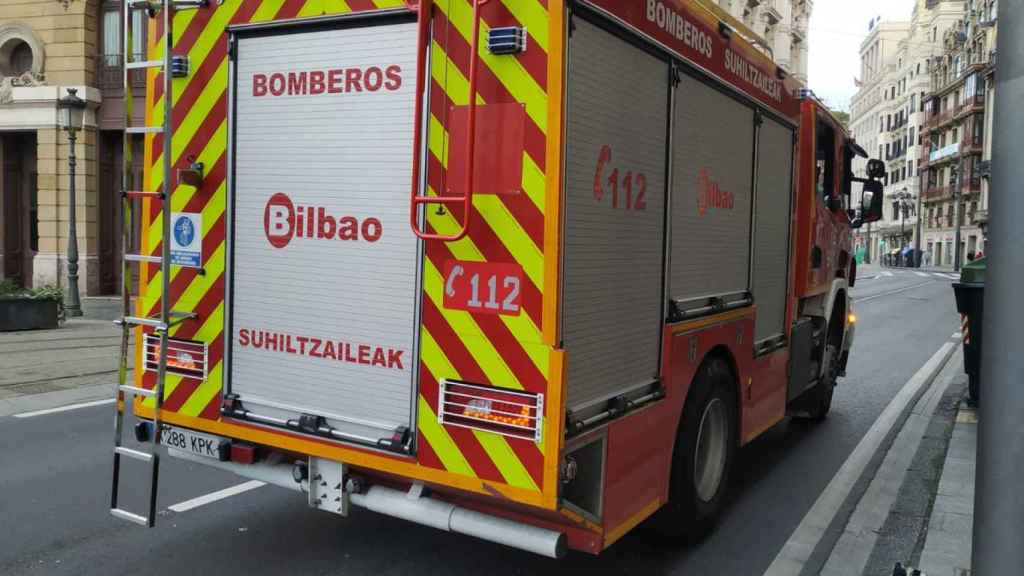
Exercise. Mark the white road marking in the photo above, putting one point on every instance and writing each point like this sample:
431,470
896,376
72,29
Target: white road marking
887,274
67,408
923,274
891,292
215,496
957,335
798,549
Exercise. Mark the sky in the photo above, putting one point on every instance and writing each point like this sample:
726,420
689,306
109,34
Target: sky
836,30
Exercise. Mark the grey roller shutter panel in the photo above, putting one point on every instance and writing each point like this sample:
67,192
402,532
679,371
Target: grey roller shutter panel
713,160
772,228
613,257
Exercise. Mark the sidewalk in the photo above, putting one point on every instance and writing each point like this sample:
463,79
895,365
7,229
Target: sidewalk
947,550
918,507
82,355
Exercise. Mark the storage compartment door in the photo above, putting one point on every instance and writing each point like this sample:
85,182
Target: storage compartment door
712,177
324,289
772,228
614,215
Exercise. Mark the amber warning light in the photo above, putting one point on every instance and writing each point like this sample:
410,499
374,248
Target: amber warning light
499,410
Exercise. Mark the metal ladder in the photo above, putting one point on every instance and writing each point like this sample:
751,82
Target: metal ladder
164,9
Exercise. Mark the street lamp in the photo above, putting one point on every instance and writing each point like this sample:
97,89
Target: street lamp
72,118
954,183
903,204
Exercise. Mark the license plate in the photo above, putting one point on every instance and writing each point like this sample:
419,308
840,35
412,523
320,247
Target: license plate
194,442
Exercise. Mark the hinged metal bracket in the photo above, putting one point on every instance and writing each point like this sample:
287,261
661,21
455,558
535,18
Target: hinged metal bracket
327,486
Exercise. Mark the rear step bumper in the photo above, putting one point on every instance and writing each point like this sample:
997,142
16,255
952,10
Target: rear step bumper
410,506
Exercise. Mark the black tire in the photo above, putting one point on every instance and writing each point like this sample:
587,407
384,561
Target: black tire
817,401
694,504
973,388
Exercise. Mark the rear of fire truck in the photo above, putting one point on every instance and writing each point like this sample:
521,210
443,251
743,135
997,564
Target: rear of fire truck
467,262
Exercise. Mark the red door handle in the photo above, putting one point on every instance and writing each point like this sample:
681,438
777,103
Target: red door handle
466,199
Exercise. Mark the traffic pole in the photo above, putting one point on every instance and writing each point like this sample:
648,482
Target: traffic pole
998,495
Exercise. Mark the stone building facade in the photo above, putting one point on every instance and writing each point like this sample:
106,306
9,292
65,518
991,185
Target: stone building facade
46,47
779,26
888,117
958,127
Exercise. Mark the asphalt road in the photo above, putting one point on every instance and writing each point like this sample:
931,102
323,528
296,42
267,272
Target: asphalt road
55,471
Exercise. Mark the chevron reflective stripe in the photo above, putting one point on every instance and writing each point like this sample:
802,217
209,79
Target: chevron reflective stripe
965,328
500,350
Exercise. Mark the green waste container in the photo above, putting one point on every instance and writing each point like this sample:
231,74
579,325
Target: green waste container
970,303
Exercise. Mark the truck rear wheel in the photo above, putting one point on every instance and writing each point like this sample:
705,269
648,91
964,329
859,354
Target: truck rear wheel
703,456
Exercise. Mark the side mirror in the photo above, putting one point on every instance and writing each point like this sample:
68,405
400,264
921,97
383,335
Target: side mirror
871,201
876,169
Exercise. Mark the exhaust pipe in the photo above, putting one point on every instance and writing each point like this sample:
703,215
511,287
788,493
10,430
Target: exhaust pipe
451,518
275,470
409,506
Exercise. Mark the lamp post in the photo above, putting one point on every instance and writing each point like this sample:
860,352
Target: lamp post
904,202
72,115
954,182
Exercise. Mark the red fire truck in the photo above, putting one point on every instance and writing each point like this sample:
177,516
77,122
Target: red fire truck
527,270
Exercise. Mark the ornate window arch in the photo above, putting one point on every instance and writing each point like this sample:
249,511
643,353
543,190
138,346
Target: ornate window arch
21,51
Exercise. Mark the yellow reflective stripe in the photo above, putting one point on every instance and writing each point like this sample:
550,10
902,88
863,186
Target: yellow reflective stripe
183,193
531,14
512,235
436,435
534,182
451,79
267,10
449,454
171,382
311,8
388,3
505,459
479,346
198,113
509,71
204,393
201,49
209,388
521,326
497,216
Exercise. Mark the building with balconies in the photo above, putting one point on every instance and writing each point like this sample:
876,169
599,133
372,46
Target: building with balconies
47,46
887,117
955,187
778,26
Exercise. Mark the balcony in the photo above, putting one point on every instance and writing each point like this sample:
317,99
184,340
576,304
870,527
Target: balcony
110,74
942,83
936,121
936,193
973,104
771,11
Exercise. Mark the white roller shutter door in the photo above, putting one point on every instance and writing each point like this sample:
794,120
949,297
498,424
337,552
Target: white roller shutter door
713,160
324,309
613,259
772,228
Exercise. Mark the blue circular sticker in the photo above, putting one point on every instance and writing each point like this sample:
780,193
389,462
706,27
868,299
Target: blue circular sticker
184,231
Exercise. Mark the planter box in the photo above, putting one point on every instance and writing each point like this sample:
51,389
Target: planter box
27,314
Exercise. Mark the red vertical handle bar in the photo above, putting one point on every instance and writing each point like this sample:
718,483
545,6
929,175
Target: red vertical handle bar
421,78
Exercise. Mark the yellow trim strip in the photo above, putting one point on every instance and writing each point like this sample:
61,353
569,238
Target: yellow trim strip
612,536
553,165
722,318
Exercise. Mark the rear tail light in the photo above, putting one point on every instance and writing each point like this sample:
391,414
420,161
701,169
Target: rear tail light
499,410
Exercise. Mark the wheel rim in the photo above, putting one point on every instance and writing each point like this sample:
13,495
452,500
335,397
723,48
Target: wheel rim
712,446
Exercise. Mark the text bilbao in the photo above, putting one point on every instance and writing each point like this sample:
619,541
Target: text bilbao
335,81
282,220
